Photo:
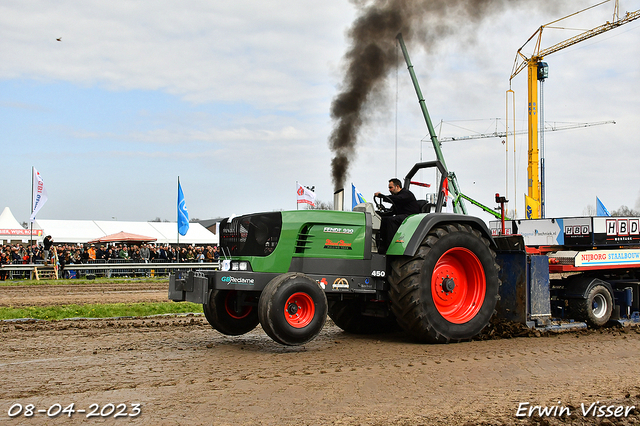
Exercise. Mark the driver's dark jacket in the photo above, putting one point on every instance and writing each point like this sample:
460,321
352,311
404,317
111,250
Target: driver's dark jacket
404,202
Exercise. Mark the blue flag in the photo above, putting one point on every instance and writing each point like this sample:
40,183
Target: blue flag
356,197
601,210
183,214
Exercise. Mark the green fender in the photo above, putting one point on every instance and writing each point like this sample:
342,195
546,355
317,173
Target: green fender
415,228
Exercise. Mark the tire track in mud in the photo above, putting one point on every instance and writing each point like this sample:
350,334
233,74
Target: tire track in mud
185,372
66,294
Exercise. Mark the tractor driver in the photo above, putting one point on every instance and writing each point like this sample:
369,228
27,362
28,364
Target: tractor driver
404,204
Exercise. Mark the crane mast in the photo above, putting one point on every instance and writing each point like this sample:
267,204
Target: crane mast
534,64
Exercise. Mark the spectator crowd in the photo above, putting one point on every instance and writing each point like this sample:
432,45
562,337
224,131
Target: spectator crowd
67,254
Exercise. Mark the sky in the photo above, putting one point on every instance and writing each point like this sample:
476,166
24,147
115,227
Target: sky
234,98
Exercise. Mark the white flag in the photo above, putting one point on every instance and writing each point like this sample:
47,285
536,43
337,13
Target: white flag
305,195
39,195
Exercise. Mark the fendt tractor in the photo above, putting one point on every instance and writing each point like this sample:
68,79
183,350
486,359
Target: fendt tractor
287,270
442,278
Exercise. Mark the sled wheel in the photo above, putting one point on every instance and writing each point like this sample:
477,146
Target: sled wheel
232,312
292,309
348,315
596,309
447,291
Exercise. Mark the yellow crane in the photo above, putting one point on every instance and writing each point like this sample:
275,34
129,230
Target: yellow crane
537,71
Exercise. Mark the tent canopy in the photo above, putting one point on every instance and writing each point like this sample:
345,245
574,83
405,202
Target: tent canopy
8,221
11,230
83,231
123,237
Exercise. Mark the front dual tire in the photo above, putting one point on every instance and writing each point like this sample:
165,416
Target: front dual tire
292,309
231,312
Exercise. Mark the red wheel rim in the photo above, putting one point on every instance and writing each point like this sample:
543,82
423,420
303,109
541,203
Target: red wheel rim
234,311
458,285
299,310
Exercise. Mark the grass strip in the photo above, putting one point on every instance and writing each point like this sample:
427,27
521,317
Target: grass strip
10,283
98,310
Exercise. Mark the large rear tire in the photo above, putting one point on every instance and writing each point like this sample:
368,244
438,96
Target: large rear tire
447,291
292,309
348,315
231,312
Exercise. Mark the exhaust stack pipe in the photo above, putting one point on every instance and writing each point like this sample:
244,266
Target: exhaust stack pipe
338,200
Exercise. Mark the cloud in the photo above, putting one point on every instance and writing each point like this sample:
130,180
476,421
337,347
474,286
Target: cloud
199,50
235,97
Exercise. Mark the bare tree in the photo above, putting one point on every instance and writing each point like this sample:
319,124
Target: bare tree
625,211
157,219
321,205
590,210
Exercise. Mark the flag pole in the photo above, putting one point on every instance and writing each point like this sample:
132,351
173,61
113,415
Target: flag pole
178,223
30,222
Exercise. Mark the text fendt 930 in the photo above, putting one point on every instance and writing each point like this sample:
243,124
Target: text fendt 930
287,270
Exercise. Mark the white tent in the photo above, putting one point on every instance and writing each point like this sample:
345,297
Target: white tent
7,221
11,230
82,231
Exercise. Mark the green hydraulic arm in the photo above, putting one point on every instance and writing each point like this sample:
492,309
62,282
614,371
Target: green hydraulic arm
482,206
454,190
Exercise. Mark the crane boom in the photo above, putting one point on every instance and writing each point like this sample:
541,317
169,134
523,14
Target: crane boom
522,61
552,128
630,16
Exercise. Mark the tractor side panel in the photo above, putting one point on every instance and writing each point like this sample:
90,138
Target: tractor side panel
337,235
345,275
309,233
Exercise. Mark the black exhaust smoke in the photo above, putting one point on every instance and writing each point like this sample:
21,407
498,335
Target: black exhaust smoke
370,58
372,55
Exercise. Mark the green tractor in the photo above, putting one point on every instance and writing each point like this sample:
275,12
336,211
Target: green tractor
288,270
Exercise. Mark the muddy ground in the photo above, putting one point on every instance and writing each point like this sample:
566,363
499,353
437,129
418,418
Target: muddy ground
181,372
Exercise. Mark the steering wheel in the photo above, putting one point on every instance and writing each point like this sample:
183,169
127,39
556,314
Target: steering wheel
378,200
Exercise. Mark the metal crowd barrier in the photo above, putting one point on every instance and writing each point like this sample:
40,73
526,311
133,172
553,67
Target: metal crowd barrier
121,267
